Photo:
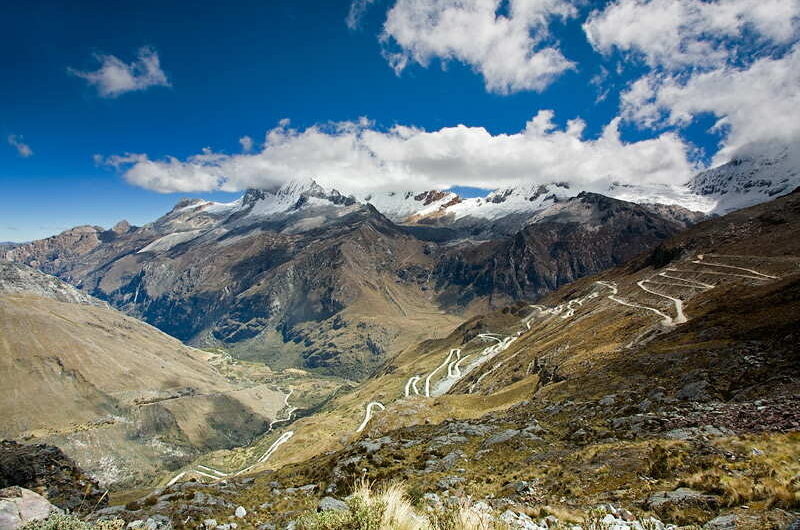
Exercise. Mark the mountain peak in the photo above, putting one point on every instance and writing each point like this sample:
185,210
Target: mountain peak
747,180
291,195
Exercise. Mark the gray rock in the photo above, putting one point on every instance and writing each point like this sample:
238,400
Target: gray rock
443,441
723,522
534,428
449,482
372,446
432,499
209,500
519,520
690,433
308,488
607,400
156,522
450,460
680,497
210,524
331,504
20,505
240,512
468,429
694,391
501,437
110,511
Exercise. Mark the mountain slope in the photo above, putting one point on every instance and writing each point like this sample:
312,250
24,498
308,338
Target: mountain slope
120,397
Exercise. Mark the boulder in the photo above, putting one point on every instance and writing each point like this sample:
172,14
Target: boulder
331,504
501,437
19,505
519,520
680,497
723,522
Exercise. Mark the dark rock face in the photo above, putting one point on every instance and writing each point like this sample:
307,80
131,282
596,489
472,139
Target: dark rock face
48,471
571,240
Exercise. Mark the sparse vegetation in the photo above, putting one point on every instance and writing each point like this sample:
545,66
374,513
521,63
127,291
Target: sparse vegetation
70,522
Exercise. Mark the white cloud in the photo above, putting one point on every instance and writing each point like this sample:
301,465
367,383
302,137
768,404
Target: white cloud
115,77
356,156
23,149
755,106
357,10
509,50
676,34
247,143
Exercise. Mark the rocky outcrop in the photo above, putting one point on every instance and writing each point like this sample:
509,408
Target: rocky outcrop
16,278
45,469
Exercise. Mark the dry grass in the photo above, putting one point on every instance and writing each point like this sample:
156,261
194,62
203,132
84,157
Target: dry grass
768,471
390,509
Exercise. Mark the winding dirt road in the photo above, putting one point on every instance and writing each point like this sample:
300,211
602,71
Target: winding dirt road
368,413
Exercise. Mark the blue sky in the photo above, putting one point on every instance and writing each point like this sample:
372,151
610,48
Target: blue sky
237,70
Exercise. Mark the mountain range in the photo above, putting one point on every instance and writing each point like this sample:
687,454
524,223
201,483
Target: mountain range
304,276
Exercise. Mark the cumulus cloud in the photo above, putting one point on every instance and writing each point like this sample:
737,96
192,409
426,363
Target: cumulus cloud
357,156
23,149
511,50
675,34
115,77
734,59
755,106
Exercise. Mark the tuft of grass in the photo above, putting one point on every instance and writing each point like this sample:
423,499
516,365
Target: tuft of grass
390,509
61,521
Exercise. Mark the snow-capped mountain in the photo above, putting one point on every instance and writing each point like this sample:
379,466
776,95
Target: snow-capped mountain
746,181
400,205
302,205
